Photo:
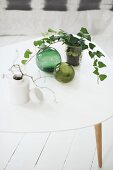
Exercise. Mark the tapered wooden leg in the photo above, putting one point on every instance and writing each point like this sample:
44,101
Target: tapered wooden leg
98,134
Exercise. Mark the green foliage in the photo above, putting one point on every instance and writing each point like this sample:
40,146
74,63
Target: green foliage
84,46
96,71
95,63
83,40
91,46
24,61
99,54
84,34
91,54
101,64
102,77
27,53
51,30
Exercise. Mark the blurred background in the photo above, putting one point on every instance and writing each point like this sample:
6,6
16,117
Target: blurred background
25,19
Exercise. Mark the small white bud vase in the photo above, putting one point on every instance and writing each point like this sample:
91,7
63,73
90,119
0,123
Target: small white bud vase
18,91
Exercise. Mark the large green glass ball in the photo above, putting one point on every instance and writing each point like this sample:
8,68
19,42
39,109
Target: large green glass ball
47,59
64,72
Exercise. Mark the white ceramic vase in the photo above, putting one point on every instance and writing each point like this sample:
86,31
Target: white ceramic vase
18,91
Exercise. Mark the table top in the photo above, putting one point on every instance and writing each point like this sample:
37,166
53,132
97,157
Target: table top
80,103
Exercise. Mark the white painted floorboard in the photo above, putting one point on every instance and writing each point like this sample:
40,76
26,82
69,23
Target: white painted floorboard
74,150
62,151
55,151
27,153
8,143
82,151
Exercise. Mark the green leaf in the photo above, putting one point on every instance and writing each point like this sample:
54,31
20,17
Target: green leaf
84,30
87,36
80,34
99,54
92,45
52,38
48,41
27,53
23,61
38,43
44,39
84,34
61,32
84,47
95,63
101,64
102,77
73,40
91,54
96,71
51,30
42,46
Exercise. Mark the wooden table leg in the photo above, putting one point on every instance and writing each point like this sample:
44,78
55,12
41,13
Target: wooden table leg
98,135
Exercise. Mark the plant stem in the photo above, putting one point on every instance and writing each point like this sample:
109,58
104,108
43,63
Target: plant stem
30,59
34,81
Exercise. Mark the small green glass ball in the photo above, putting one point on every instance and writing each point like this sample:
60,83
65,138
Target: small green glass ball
64,72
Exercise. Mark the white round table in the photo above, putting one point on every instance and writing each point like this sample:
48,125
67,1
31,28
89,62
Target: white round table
81,103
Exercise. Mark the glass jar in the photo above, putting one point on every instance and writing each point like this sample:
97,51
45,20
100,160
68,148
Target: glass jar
73,55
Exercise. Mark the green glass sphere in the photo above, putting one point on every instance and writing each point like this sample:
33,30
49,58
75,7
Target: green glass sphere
47,59
64,72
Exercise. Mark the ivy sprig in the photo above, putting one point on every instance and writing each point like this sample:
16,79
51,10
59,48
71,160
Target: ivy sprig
83,39
27,55
84,34
95,55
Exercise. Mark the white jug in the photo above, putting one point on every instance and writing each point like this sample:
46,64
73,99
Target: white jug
19,91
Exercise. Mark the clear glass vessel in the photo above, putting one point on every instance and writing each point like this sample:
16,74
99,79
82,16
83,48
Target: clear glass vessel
73,55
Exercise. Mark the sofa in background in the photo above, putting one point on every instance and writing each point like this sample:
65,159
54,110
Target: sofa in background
25,19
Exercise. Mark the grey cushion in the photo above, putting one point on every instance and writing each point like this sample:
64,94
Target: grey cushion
60,5
89,5
18,5
55,5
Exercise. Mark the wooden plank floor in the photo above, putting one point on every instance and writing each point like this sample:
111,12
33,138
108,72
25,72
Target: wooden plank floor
74,150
